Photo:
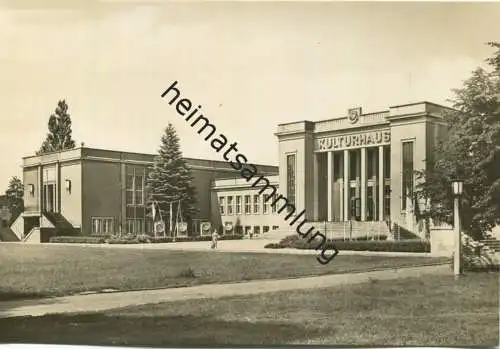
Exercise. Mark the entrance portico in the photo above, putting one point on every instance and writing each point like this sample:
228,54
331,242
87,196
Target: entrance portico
355,175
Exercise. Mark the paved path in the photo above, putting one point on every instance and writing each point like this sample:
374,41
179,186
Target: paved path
250,246
106,301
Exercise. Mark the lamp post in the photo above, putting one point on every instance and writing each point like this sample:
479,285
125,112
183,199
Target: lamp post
457,187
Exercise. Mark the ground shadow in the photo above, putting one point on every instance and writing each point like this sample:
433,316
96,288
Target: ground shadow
99,329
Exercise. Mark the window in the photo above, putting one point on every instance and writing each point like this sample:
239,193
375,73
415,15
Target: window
275,202
229,205
134,194
135,226
256,204
265,229
266,203
387,202
102,225
239,230
387,162
275,227
247,204
408,176
256,230
248,229
222,205
238,204
353,165
370,159
290,180
139,190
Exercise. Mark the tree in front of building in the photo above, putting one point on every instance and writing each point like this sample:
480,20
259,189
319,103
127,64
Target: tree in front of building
471,152
59,136
170,180
15,193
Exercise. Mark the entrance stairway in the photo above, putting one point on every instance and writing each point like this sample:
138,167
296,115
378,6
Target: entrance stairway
492,243
350,230
61,225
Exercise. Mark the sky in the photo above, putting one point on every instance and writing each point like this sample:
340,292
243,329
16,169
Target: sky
250,65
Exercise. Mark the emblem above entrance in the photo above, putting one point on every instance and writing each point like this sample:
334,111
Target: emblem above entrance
353,115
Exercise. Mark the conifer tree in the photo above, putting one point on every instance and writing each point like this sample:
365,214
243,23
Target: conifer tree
170,179
14,193
59,136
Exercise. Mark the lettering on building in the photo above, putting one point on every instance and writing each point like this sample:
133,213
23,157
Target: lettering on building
365,139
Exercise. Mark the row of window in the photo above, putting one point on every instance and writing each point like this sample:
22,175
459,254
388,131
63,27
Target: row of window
230,205
106,225
252,229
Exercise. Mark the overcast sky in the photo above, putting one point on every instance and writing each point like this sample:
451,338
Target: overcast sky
250,66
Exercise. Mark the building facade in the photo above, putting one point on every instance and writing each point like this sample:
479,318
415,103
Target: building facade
361,166
98,191
243,209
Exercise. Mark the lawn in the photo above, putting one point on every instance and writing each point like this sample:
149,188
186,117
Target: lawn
429,311
30,271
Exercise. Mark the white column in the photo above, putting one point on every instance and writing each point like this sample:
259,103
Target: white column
346,185
316,186
330,186
380,183
363,184
40,189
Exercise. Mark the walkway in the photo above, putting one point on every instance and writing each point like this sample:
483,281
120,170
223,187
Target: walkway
251,246
106,301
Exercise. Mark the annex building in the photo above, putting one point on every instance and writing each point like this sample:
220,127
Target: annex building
359,167
97,191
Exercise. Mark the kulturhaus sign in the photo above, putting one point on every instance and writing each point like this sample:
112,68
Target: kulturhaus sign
354,141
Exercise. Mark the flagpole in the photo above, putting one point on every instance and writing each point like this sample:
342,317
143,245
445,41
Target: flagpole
170,219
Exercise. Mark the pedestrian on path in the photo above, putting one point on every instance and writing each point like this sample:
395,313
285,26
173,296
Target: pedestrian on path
215,238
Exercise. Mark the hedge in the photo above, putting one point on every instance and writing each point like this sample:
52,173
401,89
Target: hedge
133,239
167,239
78,239
297,242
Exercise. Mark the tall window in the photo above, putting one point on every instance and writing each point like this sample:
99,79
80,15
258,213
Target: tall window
290,180
256,204
238,204
387,201
135,190
387,162
248,204
222,205
408,176
229,205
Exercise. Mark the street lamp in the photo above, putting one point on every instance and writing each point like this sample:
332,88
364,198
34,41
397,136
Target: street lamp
457,187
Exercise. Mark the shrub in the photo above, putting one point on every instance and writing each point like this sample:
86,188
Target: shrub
187,273
78,239
295,241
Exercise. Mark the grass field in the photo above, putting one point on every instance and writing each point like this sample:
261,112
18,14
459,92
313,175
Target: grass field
47,270
430,311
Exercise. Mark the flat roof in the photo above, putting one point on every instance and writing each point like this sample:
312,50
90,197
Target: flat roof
376,112
152,156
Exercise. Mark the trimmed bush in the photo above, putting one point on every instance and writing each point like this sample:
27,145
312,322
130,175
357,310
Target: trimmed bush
78,239
295,241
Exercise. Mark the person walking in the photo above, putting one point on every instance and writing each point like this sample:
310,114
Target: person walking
215,238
